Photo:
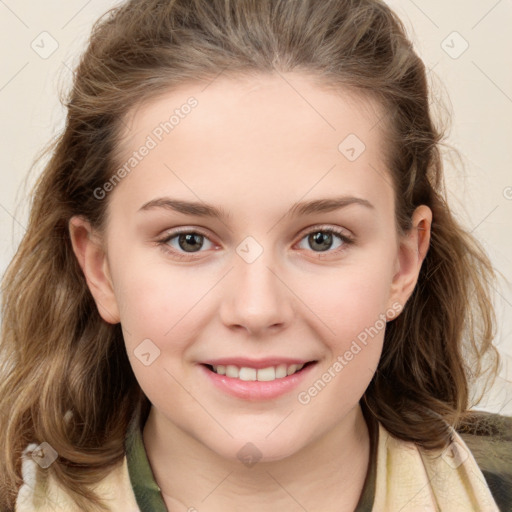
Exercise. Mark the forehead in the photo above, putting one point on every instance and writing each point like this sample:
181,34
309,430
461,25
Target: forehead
268,139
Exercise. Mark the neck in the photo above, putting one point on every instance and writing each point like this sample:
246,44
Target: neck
326,475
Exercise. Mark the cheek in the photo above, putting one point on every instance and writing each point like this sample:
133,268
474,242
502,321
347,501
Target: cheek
157,318
156,303
353,313
349,298
349,306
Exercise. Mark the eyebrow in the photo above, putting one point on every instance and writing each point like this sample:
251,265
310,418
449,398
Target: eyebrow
202,209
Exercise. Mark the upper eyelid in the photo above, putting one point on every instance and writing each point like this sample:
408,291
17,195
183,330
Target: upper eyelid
325,227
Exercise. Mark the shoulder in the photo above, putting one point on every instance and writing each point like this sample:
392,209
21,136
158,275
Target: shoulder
489,438
41,493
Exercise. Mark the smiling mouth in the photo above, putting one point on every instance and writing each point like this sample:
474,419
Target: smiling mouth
268,374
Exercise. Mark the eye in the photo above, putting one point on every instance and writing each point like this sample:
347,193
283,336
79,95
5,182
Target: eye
182,242
321,239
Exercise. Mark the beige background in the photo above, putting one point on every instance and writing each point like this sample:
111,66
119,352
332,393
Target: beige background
465,44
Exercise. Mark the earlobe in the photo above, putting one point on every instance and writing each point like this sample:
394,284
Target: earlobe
93,261
412,250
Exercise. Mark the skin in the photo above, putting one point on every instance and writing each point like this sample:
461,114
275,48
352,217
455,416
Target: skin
254,147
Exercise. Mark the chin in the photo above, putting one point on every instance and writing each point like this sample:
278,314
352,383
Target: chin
257,449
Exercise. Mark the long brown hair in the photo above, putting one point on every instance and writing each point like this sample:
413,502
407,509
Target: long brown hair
59,355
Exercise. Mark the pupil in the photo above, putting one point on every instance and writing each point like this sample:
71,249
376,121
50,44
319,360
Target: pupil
321,238
190,238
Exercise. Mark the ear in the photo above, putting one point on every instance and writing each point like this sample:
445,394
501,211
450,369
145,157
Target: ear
93,261
412,249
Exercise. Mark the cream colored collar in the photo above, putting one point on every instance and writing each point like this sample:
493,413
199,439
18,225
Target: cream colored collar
412,480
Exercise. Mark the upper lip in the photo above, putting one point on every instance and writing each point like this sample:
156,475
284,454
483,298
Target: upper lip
256,363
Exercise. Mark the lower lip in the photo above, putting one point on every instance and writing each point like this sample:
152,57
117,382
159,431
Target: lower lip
256,390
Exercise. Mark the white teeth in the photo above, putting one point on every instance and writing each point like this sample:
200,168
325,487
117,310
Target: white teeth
231,371
262,375
247,374
266,374
281,371
291,369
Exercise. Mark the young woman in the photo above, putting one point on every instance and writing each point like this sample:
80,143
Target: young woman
241,285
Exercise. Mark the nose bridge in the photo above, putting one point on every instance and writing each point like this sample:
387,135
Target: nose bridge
257,298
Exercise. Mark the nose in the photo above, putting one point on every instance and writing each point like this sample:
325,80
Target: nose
256,298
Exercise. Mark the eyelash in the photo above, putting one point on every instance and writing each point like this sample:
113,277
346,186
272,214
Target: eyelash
163,242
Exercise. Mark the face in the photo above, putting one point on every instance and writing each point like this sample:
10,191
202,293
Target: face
301,262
